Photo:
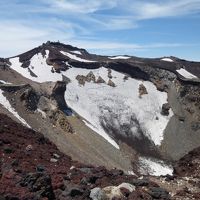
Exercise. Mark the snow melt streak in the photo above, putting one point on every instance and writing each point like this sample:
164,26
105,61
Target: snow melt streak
5,103
99,103
74,57
186,74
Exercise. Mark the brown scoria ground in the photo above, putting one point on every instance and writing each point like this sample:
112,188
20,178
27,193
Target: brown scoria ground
32,168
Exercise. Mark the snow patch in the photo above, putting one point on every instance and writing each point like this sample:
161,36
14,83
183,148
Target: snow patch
6,104
101,132
76,52
130,173
4,82
154,167
186,74
41,112
38,66
74,57
167,59
119,106
119,57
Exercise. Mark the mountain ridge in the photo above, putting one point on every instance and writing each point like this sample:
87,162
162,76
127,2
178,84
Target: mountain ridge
168,76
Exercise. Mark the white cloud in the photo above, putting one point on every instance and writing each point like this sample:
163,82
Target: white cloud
19,36
26,25
170,8
82,6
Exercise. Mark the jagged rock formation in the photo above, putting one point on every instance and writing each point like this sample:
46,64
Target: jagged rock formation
90,77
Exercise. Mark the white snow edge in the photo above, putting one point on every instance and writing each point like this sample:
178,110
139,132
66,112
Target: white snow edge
5,103
103,134
74,57
186,74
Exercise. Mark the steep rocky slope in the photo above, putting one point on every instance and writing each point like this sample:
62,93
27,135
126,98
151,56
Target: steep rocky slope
118,111
31,167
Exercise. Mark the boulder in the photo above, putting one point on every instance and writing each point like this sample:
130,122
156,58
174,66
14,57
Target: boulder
165,109
97,194
81,79
109,74
40,184
112,192
111,83
142,90
159,193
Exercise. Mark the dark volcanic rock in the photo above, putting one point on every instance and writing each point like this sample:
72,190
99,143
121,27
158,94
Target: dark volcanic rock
58,93
40,184
30,98
189,165
159,193
165,109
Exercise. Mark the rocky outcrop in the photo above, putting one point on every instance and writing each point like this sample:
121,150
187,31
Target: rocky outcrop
30,98
59,119
111,83
142,90
39,183
81,79
109,73
58,93
90,77
165,109
100,80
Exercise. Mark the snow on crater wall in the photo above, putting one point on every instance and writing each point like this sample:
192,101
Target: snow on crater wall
167,59
38,66
74,57
186,74
98,102
6,104
101,103
119,57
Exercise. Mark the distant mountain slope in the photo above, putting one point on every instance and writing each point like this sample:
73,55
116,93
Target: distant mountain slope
141,108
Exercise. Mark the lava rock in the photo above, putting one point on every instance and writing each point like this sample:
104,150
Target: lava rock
159,193
39,183
140,182
165,109
8,150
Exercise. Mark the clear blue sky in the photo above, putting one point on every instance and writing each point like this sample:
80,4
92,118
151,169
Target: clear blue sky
146,28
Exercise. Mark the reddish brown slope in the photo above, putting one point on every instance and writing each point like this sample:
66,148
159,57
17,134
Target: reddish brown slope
33,168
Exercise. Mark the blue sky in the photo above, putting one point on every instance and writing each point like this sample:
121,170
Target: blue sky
145,28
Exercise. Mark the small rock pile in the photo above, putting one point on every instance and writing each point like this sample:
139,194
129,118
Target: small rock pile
90,77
